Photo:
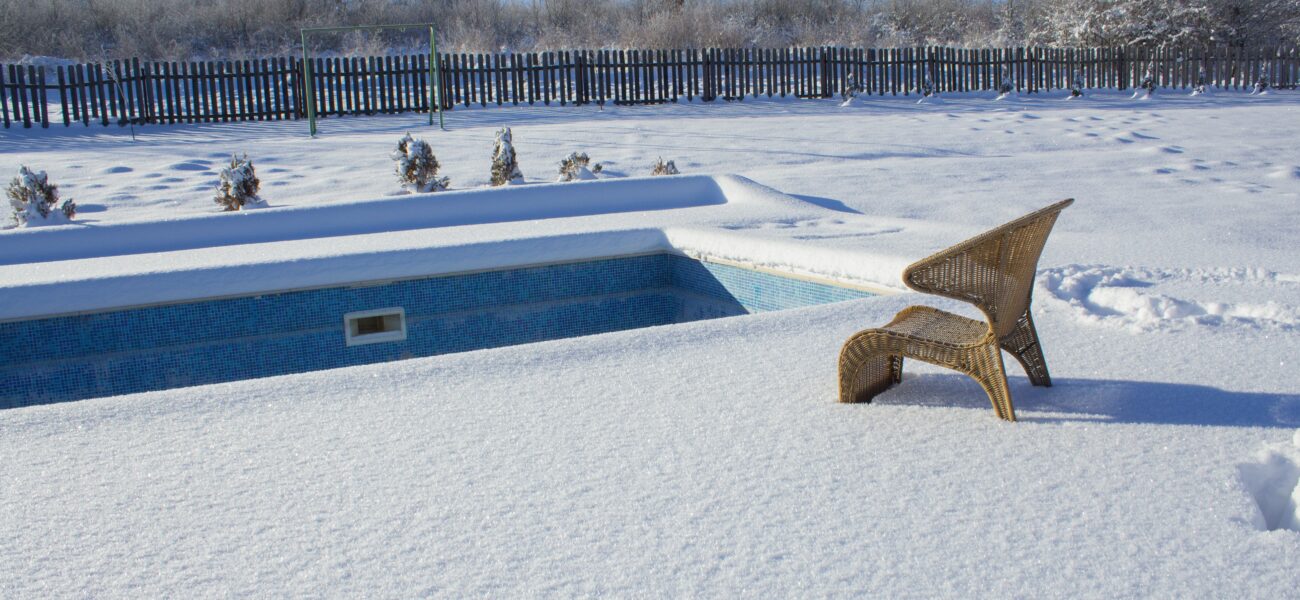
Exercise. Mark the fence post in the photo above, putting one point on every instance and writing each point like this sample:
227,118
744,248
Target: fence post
706,72
825,62
580,78
40,97
4,100
20,85
1121,69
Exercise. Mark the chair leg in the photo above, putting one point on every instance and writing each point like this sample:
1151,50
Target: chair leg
1023,344
866,369
992,376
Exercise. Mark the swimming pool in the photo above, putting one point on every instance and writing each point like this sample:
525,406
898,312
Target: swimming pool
104,353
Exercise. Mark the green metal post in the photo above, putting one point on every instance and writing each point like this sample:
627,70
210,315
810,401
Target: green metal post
307,87
435,79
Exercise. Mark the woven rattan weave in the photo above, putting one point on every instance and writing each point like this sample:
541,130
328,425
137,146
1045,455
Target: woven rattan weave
995,272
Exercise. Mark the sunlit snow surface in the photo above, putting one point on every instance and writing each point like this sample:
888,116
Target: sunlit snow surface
710,459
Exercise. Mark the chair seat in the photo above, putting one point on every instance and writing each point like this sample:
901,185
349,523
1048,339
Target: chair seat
934,326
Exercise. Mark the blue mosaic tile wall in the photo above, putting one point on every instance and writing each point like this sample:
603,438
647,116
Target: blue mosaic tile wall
161,347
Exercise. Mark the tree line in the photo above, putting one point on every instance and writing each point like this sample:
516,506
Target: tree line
85,30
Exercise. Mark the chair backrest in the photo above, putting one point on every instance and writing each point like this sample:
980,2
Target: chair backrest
994,270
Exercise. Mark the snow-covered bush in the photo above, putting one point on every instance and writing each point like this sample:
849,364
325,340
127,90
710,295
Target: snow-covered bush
35,201
1262,83
238,187
927,88
1076,85
1147,88
851,90
577,166
505,166
1199,87
664,168
1005,87
417,168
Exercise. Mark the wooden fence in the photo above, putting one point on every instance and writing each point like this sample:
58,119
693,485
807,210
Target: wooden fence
121,92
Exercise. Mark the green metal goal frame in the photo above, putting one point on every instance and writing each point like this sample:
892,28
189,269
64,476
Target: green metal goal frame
435,70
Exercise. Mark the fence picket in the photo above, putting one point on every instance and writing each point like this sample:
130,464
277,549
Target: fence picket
4,98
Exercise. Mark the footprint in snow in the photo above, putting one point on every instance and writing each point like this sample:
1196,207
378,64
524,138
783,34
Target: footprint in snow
189,166
117,169
1291,173
1273,482
1143,299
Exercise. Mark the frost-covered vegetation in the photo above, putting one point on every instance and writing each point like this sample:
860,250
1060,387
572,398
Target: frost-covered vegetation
505,164
35,201
1147,87
577,167
1077,84
664,168
417,168
182,29
239,186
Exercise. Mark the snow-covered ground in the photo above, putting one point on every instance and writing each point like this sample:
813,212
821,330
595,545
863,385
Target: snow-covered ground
710,458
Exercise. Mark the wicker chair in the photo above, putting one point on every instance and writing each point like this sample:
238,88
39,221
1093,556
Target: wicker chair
995,272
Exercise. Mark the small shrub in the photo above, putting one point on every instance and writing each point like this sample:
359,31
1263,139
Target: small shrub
927,88
417,169
1199,88
664,168
239,185
577,167
1005,87
505,166
35,201
1076,86
1148,83
851,90
1262,83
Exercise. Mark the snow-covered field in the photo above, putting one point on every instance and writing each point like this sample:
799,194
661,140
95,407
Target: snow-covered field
710,459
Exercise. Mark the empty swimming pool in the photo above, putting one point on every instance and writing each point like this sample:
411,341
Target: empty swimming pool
106,353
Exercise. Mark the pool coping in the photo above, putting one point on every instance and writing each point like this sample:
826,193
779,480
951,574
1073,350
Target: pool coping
691,254
729,233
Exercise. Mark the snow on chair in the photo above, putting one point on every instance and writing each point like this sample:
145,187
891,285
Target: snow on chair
995,272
